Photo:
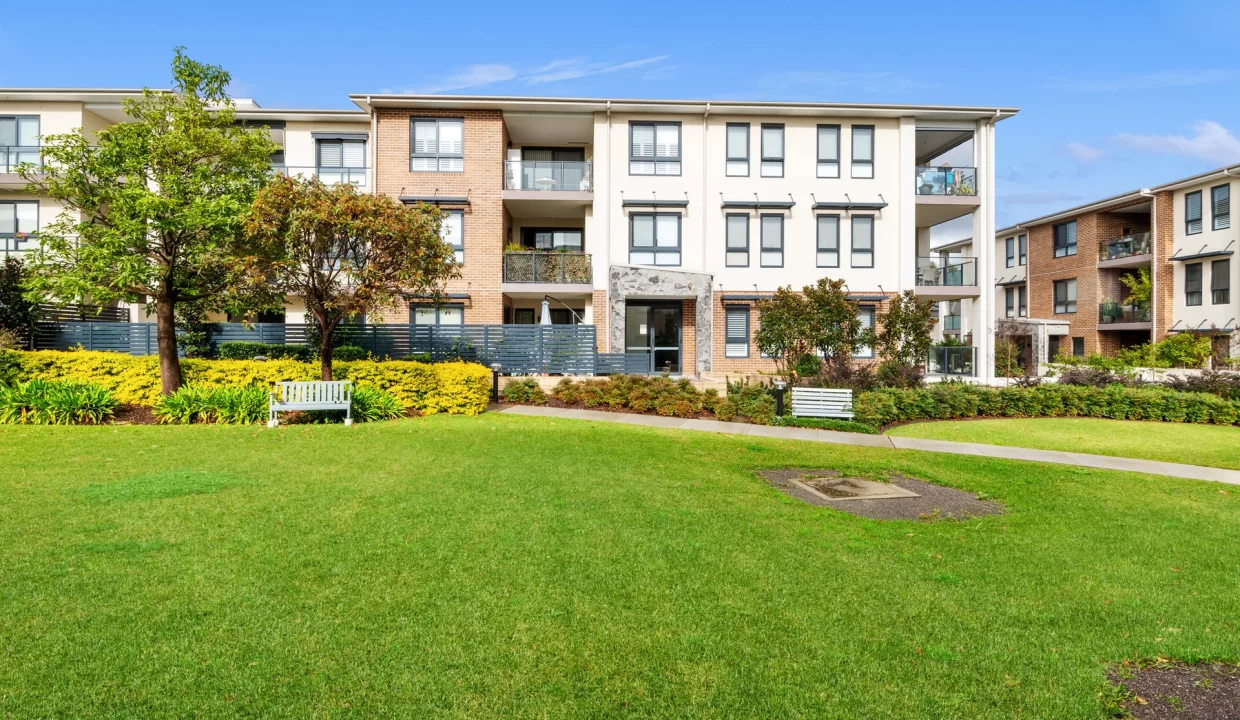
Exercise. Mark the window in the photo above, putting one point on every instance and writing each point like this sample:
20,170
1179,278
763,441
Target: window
1010,296
1065,239
738,150
438,145
1220,206
523,316
772,150
1022,295
18,221
1192,284
1078,346
828,241
1065,296
453,232
548,239
439,314
1220,282
341,161
737,241
863,151
736,344
1192,213
19,141
654,149
772,241
654,239
866,316
1052,347
828,151
862,241
1010,243
1023,242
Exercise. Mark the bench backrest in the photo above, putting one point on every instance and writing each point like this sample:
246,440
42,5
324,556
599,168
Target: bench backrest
821,402
318,391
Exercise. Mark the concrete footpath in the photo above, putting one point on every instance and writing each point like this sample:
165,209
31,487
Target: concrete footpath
1002,452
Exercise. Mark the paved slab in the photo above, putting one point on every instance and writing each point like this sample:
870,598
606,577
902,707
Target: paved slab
1002,452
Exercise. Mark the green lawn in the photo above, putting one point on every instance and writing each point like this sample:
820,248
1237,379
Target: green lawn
1213,445
523,567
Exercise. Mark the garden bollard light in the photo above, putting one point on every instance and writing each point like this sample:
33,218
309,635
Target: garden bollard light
495,368
779,397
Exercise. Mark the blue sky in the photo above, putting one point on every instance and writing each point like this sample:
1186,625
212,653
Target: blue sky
1113,95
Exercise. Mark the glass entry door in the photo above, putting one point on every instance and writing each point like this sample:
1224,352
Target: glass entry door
653,330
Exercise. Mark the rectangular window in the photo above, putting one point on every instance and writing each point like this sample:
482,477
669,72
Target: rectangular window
19,220
862,241
1220,282
654,148
1192,284
1078,346
1009,295
439,314
1220,206
828,151
1023,242
1192,213
1065,296
737,229
1065,239
738,150
438,145
548,239
772,241
453,232
1010,244
772,150
1052,347
19,141
863,151
865,316
1023,301
654,239
736,342
828,241
341,161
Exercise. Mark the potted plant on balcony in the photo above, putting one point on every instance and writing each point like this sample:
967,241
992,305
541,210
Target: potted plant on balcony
1110,311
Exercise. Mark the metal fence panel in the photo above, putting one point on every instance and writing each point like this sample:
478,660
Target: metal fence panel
131,338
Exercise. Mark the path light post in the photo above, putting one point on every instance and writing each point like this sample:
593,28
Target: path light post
495,368
779,397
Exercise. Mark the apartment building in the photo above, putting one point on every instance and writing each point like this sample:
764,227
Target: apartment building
1180,233
664,222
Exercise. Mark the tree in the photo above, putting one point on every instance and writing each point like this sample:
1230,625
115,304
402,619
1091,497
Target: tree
155,206
782,333
1139,286
833,326
17,313
904,330
346,253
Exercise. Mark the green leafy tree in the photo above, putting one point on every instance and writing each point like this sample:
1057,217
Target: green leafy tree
833,326
346,253
155,206
904,330
17,312
1140,287
783,333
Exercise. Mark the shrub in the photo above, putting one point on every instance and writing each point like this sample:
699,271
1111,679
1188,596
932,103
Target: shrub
808,365
826,424
348,353
725,410
1221,383
204,404
893,373
1094,377
753,401
524,392
55,402
455,388
239,350
370,404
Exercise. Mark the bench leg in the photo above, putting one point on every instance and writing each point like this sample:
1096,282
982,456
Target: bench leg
271,419
348,415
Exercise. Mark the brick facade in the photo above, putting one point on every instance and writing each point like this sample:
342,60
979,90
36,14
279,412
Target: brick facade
1164,269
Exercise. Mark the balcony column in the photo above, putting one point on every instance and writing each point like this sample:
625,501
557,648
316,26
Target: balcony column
983,248
907,204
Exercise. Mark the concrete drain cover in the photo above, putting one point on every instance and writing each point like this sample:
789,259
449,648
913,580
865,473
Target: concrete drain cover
904,498
849,488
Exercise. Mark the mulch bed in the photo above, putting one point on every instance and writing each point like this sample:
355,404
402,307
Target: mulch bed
934,502
133,415
1176,691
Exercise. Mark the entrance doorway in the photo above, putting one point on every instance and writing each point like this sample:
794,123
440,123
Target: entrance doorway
653,329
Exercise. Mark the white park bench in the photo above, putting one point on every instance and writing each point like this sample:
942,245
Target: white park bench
315,395
822,403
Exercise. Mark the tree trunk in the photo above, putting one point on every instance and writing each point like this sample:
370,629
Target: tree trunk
325,349
169,362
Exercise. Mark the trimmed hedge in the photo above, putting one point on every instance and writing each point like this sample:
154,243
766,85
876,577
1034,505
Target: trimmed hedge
946,401
242,350
455,388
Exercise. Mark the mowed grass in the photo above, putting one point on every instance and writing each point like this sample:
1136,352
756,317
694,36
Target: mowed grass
1212,445
523,567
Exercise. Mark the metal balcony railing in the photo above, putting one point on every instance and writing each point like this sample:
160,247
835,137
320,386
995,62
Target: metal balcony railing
13,155
946,181
952,360
547,267
1127,246
949,272
570,175
326,175
1112,312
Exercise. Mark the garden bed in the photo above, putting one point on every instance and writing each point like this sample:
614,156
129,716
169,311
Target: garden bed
1178,691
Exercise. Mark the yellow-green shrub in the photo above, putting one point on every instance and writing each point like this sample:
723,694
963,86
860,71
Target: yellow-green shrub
456,388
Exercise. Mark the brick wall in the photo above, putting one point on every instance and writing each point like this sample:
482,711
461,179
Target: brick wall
1164,269
601,315
486,221
1045,269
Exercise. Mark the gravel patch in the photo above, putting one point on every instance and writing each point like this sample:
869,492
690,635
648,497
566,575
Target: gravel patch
933,502
1181,692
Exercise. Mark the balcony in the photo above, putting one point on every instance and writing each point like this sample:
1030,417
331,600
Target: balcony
13,155
944,193
560,272
1114,316
548,188
326,175
952,360
1128,251
947,278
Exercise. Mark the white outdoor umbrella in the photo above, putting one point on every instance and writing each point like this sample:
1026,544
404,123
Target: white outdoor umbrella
546,312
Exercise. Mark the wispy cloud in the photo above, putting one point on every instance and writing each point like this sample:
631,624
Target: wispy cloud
819,81
571,69
1081,153
1038,197
1147,81
552,72
1212,142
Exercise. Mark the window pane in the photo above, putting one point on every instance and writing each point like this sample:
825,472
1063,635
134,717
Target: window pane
667,168
354,153
828,169
643,140
863,233
643,258
667,141
772,233
27,217
8,132
568,239
863,170
829,144
772,168
453,229
772,142
772,258
451,137
28,131
738,141
666,258
330,153
643,231
451,164
738,231
863,144
828,233
828,259
449,315
424,141
667,231
8,219
735,259
424,165
1221,200
424,315
738,168
641,168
